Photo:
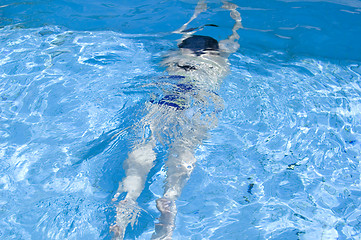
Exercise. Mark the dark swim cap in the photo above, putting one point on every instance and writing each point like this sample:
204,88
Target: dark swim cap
199,43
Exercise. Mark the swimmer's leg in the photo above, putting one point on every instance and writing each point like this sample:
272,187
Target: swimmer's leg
137,167
180,165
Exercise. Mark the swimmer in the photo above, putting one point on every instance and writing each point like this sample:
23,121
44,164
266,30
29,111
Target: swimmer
181,118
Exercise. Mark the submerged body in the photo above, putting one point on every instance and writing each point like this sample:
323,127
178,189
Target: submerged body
185,114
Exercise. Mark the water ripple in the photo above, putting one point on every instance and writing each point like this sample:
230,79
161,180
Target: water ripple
284,162
55,99
298,130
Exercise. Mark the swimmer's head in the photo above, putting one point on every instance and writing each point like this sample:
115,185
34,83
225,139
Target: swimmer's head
199,44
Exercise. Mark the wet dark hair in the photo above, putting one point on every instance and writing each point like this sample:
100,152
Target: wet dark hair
198,44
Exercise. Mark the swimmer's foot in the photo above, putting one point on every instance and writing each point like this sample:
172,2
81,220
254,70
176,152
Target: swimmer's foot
127,213
164,229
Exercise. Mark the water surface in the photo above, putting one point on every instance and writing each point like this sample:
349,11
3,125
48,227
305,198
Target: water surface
283,162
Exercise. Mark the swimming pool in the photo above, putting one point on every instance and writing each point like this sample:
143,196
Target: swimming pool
282,163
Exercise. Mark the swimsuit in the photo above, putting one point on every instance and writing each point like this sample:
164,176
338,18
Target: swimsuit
176,98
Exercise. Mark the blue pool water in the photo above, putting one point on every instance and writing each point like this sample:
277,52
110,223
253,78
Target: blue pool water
283,162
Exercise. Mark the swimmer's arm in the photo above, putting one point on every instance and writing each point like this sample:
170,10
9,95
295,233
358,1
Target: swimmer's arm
201,7
231,45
